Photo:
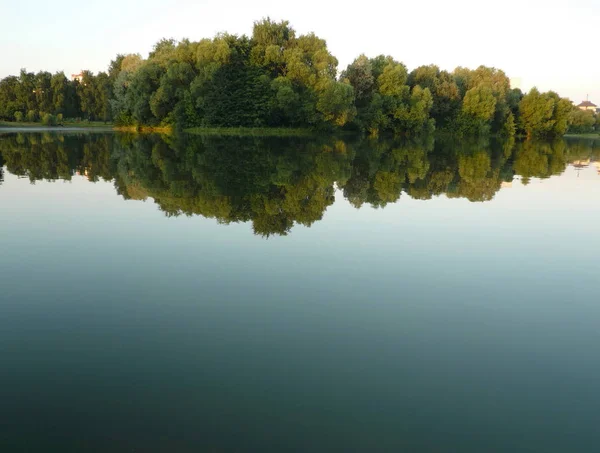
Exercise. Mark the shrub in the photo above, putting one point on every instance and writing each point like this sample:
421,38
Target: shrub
19,117
581,122
49,120
59,118
32,116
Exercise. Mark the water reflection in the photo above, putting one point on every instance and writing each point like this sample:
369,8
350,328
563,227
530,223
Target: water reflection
276,183
1,169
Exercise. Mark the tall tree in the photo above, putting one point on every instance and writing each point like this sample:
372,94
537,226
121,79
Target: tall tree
544,114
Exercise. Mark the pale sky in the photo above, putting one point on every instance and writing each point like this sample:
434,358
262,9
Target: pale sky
545,43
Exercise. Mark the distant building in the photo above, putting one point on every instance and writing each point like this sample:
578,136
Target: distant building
587,105
78,77
83,173
581,163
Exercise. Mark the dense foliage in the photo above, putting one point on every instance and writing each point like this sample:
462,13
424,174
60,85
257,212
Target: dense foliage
277,78
48,98
276,183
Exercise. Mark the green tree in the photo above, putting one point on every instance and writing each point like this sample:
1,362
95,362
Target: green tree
174,86
49,120
445,92
88,96
494,81
359,74
122,70
544,114
32,116
387,103
26,96
9,98
143,84
43,91
269,42
102,93
478,108
336,103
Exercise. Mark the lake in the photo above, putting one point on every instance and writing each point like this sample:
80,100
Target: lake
223,294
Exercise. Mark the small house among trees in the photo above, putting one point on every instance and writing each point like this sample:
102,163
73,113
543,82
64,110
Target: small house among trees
587,105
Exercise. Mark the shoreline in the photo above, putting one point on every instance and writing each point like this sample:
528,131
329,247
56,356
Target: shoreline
55,129
253,131
7,126
589,135
144,129
223,131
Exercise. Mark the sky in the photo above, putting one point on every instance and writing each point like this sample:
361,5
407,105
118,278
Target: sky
545,43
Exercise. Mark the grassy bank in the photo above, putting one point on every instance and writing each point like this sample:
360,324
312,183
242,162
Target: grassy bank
593,135
69,124
252,131
144,129
223,131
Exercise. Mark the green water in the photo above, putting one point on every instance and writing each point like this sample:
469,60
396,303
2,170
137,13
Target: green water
216,294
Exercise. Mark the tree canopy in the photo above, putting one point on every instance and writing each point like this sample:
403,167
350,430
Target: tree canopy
279,78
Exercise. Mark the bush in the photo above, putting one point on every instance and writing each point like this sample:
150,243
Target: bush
59,118
49,120
581,122
19,117
123,119
32,116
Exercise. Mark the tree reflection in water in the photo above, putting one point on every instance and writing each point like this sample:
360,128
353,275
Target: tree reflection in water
276,183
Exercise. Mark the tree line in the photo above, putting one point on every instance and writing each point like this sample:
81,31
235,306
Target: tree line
49,98
277,78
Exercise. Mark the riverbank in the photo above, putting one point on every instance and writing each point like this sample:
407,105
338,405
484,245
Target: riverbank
252,131
223,131
53,129
6,126
72,126
594,136
145,129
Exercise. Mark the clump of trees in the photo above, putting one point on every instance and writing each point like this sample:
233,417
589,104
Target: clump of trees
274,78
32,97
544,114
583,121
384,99
278,78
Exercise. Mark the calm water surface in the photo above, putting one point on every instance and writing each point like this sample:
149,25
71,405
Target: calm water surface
255,295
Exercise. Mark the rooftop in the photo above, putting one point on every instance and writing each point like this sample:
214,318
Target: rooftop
587,104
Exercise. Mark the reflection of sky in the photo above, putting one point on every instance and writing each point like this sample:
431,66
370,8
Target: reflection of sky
538,216
573,191
417,324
